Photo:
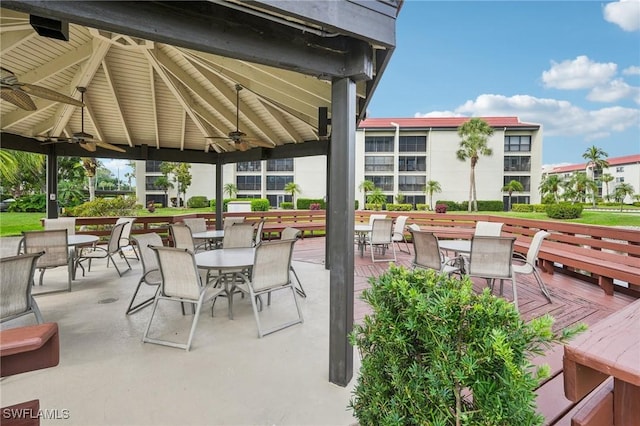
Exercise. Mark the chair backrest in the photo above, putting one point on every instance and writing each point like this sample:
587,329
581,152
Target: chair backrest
534,247
238,235
180,276
381,231
116,235
181,236
398,227
414,227
491,257
68,223
196,224
228,221
147,255
16,283
426,250
126,230
488,229
271,264
290,233
53,243
374,216
258,237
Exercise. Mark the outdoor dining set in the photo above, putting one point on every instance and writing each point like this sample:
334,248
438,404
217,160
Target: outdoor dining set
199,267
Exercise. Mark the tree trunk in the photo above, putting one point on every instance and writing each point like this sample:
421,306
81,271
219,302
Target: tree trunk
473,197
472,182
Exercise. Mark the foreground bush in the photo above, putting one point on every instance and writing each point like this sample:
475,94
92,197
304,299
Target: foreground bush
119,206
399,207
436,353
305,203
29,203
197,202
564,211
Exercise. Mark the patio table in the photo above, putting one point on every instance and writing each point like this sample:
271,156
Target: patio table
231,264
77,240
362,230
213,237
609,348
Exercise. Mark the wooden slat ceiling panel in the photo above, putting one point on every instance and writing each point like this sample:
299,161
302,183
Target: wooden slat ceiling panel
105,109
169,112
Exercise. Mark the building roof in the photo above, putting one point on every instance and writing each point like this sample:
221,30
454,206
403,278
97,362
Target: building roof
440,122
615,161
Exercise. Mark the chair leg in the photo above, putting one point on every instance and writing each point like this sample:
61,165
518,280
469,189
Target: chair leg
196,316
41,274
543,287
145,336
299,289
515,291
36,311
131,309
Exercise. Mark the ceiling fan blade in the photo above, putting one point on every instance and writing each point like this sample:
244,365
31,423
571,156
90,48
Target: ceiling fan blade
52,95
107,145
17,98
243,146
258,142
89,146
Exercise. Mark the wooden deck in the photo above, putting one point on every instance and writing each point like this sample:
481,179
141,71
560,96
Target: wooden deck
573,301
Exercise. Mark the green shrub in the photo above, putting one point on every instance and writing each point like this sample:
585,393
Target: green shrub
522,208
260,205
452,205
286,205
371,206
29,203
305,203
399,207
118,206
357,204
441,208
197,201
490,205
539,208
564,211
422,207
548,199
434,352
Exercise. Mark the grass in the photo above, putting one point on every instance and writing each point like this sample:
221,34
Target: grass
12,224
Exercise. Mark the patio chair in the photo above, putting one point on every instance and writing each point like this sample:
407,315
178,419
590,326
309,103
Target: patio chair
527,265
68,223
125,238
150,270
427,254
238,235
413,227
375,216
380,238
491,259
181,236
258,237
198,224
180,282
228,221
15,287
488,229
110,251
290,233
270,273
398,233
55,245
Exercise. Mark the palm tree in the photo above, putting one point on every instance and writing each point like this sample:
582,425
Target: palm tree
621,191
605,179
377,197
431,187
511,187
474,134
596,159
90,167
550,185
230,189
164,184
366,186
293,189
581,184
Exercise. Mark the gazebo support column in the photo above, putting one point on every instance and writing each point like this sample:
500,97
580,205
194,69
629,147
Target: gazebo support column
52,182
340,231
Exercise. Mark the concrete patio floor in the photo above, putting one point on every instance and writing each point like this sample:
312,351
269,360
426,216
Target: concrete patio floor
107,376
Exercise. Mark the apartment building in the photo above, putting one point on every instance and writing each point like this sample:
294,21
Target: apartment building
623,169
400,155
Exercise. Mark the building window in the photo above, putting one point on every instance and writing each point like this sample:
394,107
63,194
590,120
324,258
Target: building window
415,163
152,166
517,164
620,179
278,183
515,199
383,182
517,143
412,144
275,200
619,169
150,183
524,180
248,183
280,165
414,199
249,166
411,183
378,163
378,144
248,195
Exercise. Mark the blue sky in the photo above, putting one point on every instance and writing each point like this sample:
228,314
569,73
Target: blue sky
572,66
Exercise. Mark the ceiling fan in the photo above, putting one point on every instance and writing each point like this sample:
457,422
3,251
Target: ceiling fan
17,93
236,138
85,140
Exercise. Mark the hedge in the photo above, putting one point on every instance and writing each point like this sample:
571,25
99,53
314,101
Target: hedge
399,207
286,205
451,205
371,206
257,204
539,208
305,203
564,211
197,201
118,206
522,208
29,203
422,207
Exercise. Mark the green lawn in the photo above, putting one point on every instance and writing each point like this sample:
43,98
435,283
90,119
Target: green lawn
15,223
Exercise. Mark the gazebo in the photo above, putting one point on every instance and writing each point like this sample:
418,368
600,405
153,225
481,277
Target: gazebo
214,82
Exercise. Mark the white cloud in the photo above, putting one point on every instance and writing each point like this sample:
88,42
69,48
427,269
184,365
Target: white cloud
436,114
624,13
632,70
558,118
614,91
580,73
